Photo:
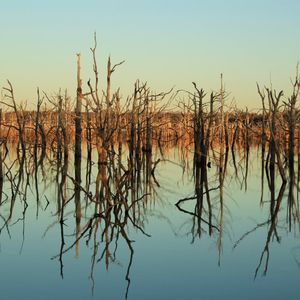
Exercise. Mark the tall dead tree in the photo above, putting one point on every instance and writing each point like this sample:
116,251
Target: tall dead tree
292,115
19,114
263,139
78,128
77,161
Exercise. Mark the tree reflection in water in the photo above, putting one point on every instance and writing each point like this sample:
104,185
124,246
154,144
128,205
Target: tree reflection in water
109,199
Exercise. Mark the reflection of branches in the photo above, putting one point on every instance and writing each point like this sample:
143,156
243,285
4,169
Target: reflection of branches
249,232
275,204
113,209
198,210
91,227
15,189
195,197
128,271
294,256
61,200
5,225
272,230
23,227
196,215
95,250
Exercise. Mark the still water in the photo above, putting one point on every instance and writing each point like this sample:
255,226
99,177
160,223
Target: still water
162,256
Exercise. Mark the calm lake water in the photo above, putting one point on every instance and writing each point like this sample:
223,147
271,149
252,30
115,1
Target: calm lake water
169,260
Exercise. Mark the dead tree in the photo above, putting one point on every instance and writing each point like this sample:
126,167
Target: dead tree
20,122
105,127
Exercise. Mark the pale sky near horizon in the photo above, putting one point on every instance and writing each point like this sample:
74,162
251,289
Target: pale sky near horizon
164,42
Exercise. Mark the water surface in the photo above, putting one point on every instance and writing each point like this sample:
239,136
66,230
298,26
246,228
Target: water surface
172,257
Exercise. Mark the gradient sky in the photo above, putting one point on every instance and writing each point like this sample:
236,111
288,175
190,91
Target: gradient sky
164,42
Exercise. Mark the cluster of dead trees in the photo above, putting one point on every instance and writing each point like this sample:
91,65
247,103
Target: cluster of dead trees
101,127
114,189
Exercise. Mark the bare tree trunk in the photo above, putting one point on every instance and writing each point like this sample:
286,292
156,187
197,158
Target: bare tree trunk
78,128
35,151
77,161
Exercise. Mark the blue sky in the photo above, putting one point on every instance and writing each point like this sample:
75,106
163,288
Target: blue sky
166,43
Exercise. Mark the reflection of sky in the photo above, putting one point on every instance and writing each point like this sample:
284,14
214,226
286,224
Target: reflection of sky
166,265
163,42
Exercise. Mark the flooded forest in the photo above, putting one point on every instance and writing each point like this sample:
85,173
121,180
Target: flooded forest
158,195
